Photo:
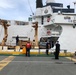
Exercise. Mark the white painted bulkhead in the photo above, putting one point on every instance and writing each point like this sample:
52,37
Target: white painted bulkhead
21,31
68,38
14,30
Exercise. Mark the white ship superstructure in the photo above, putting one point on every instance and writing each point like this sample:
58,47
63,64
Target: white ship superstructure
60,22
54,23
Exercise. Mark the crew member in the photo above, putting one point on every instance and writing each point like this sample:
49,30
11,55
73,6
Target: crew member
57,50
17,40
47,47
28,47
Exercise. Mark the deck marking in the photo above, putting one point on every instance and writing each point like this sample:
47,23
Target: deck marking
72,59
6,61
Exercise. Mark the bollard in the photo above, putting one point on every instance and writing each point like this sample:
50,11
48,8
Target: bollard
17,48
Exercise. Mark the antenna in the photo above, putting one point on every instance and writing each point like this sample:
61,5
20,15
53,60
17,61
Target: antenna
74,6
30,7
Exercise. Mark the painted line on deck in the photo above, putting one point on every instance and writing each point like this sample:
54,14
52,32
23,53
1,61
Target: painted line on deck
72,59
6,61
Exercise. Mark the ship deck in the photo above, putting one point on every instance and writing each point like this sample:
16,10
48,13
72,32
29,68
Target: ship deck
21,65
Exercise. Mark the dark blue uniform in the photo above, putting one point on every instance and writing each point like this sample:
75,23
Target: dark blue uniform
17,40
57,51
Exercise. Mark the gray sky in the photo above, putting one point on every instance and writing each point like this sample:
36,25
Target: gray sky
20,9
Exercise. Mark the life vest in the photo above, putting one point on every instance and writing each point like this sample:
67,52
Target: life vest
28,45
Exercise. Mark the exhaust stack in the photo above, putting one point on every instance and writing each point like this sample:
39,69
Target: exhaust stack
39,4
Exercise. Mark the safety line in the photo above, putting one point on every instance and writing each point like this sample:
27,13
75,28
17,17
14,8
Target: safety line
6,61
72,59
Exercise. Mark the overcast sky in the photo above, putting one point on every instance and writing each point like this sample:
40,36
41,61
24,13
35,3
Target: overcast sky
20,9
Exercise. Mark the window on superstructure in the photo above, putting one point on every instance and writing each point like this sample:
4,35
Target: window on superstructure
21,23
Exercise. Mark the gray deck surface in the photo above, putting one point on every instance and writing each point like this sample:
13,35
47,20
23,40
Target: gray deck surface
39,66
2,57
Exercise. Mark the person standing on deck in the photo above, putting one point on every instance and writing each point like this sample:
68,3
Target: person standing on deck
47,47
28,47
57,50
17,40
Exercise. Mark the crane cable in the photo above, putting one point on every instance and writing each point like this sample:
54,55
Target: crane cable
30,7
